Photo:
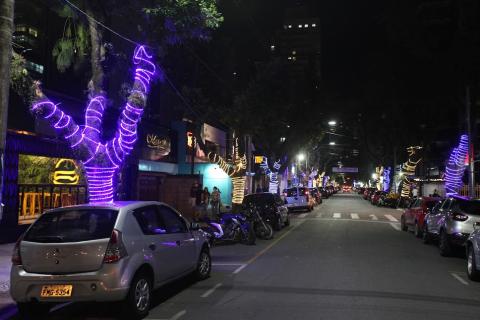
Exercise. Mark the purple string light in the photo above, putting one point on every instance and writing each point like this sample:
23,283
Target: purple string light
102,161
456,167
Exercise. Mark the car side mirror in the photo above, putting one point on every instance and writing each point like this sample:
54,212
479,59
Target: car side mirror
194,226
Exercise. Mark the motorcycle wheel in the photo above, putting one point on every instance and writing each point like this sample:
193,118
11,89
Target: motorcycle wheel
250,237
266,232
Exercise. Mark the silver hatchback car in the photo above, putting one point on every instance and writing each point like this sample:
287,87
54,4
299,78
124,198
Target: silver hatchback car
451,221
108,252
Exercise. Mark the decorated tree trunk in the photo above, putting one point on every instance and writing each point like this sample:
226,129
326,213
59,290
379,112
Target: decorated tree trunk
456,167
102,160
272,174
414,157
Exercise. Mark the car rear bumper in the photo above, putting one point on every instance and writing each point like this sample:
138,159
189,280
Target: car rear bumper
101,285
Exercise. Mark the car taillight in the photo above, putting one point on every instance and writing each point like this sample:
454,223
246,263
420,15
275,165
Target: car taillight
115,249
459,217
16,257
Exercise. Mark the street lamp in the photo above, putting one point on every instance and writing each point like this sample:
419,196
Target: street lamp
300,157
332,143
374,176
332,123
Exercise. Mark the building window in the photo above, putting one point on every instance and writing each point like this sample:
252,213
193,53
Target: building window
289,26
34,66
272,47
306,25
314,25
300,26
20,28
294,52
33,32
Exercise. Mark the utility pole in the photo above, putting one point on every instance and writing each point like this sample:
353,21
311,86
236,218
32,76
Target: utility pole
6,30
471,160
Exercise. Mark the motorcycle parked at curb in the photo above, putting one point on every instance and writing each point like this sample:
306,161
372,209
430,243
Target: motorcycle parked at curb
263,230
230,227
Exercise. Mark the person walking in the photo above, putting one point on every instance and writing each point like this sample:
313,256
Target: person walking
205,202
215,201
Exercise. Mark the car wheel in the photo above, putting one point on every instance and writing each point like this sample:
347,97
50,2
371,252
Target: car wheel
472,272
204,265
33,310
277,225
251,237
444,244
403,225
417,231
426,236
139,297
287,222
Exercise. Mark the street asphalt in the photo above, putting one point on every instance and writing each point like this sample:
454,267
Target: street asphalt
346,259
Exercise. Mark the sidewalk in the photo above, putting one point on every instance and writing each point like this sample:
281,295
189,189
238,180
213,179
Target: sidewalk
5,264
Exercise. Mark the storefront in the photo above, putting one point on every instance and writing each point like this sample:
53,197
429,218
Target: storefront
40,174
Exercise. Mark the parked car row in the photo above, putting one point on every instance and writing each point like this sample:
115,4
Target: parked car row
453,223
379,198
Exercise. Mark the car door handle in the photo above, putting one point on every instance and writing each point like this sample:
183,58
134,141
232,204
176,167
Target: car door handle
152,247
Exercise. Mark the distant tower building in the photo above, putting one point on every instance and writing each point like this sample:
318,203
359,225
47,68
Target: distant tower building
300,45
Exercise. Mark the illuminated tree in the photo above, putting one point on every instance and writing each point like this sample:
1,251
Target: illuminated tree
456,167
235,170
414,157
102,160
272,174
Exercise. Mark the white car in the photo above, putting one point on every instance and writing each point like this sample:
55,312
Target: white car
105,252
298,198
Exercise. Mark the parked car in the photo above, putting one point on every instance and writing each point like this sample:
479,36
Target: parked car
272,208
367,194
391,200
451,222
413,217
298,198
473,254
376,196
105,252
324,192
346,188
317,196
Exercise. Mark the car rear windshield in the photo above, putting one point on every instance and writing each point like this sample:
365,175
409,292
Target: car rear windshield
291,192
472,207
259,199
72,226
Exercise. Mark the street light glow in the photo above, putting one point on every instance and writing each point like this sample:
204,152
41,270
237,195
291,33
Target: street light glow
301,157
332,143
332,123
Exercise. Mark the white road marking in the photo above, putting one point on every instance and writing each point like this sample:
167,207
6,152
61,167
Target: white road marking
210,291
395,226
337,215
460,279
239,268
354,216
391,218
175,316
303,215
373,217
227,264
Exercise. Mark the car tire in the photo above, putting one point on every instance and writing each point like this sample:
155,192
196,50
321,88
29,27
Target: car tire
33,310
426,236
204,265
444,244
403,225
139,297
472,271
251,236
277,225
417,231
287,222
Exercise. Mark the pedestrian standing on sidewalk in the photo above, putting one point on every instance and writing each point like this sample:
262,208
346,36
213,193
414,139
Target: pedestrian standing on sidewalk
205,202
193,194
215,201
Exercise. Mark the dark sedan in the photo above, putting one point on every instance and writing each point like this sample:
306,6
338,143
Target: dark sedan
272,208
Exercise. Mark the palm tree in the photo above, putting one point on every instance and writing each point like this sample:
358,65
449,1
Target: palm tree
6,31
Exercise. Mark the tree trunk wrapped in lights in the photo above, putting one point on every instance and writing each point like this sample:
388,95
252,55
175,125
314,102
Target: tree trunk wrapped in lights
272,174
414,157
102,160
456,167
235,170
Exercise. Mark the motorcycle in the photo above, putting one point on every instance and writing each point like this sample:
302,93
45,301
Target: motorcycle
262,229
230,227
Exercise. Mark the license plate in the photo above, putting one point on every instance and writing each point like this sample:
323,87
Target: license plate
60,290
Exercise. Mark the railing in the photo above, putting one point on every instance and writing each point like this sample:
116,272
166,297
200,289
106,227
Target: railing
34,199
464,191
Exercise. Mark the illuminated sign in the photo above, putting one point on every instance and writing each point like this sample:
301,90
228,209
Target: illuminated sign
66,172
190,139
258,159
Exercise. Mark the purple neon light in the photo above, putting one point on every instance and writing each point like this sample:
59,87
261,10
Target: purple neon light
456,167
102,160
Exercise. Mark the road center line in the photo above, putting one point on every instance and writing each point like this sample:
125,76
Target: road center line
391,218
258,255
460,279
210,291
